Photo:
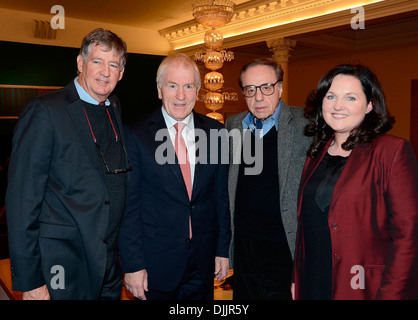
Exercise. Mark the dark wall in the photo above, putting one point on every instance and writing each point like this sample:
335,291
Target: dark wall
31,64
137,91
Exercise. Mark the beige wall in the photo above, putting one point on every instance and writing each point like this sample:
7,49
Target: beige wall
19,26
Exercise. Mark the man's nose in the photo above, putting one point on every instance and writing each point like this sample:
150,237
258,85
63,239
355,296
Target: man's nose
180,93
105,70
258,95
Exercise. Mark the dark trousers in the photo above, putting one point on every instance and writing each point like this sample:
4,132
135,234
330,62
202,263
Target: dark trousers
191,286
112,283
262,269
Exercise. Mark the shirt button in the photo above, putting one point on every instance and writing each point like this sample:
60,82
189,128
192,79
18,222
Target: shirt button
335,226
107,202
337,256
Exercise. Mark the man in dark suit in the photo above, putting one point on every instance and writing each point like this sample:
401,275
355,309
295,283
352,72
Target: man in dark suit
263,194
175,234
67,180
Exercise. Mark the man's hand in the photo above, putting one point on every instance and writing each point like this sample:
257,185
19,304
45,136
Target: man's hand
137,283
221,268
40,293
292,290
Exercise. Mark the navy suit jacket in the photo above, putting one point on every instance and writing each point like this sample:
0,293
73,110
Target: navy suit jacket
57,203
155,228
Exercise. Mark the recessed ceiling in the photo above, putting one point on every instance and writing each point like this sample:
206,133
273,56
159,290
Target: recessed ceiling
147,14
390,30
157,15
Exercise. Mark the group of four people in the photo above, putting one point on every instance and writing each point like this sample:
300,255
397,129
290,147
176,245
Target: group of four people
90,196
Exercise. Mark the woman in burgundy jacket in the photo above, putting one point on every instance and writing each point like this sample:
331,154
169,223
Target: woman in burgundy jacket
357,232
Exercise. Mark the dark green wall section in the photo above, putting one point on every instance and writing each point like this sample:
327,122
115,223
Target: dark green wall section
30,64
137,91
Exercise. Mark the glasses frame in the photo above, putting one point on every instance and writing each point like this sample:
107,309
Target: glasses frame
116,171
259,87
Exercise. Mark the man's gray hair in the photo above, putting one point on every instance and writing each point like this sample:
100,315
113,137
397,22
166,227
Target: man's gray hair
177,58
107,39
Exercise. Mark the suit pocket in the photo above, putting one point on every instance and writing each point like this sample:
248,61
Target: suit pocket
373,279
55,231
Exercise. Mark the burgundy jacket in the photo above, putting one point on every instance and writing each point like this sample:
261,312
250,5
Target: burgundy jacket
373,222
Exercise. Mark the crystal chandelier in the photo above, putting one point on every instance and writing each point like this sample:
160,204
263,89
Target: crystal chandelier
213,14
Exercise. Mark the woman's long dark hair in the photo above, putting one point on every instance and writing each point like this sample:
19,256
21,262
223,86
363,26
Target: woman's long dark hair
376,122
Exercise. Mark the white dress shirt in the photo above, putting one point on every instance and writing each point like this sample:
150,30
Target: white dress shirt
188,136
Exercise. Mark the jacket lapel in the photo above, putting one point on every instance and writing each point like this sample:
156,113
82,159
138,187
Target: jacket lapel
235,147
114,102
79,120
359,155
284,145
77,116
116,109
199,124
157,123
312,164
308,169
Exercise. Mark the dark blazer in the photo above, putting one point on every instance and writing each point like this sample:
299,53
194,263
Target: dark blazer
155,228
57,202
373,222
292,146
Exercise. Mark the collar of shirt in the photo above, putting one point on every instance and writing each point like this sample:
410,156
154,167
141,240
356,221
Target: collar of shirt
273,120
170,122
187,133
85,96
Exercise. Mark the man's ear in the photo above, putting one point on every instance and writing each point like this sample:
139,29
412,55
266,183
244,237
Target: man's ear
280,88
80,62
121,73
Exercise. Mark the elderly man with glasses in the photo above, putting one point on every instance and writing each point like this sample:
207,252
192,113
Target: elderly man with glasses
264,205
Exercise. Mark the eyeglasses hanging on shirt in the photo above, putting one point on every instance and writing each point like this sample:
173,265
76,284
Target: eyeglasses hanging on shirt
108,171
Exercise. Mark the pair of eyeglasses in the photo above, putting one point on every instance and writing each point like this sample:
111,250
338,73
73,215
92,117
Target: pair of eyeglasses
108,171
116,171
266,89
